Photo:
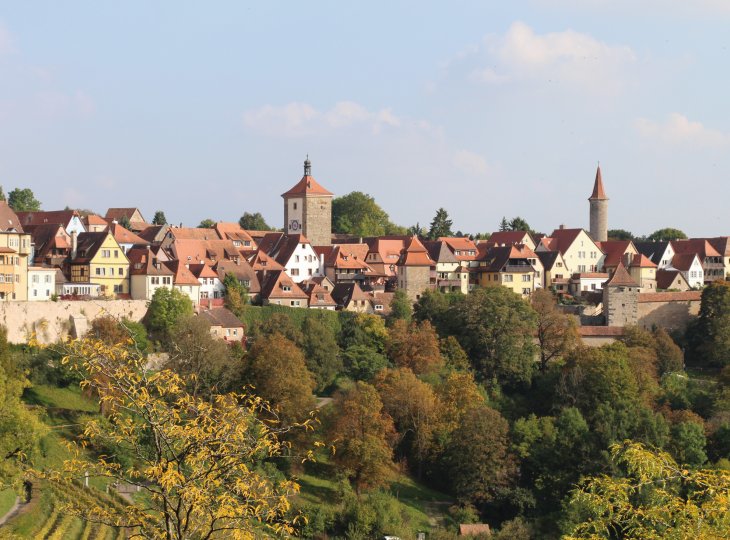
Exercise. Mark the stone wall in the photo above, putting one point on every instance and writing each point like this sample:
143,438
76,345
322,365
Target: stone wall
52,320
620,305
318,220
416,280
670,310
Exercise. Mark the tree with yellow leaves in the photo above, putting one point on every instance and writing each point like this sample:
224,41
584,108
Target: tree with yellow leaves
196,460
655,499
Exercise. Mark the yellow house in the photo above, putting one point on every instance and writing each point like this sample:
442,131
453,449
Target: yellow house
15,248
580,253
97,258
516,267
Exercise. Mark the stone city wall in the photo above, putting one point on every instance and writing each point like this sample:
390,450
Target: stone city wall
53,320
671,310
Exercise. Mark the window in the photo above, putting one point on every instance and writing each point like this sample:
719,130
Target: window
48,279
121,271
295,271
581,268
525,277
106,253
100,272
286,288
35,279
296,258
378,307
295,303
118,288
526,292
116,253
35,292
508,278
310,272
111,271
294,206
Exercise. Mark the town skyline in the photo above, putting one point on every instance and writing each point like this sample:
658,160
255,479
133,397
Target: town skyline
492,111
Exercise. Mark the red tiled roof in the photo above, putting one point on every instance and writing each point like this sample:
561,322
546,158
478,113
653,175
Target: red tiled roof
93,219
183,276
221,317
621,278
665,278
683,261
598,192
508,237
125,236
699,246
415,254
641,261
262,262
307,186
142,262
9,219
272,286
51,217
562,239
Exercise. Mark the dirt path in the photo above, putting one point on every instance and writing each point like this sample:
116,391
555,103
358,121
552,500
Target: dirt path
14,510
436,511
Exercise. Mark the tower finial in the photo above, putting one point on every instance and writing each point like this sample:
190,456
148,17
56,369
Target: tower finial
307,167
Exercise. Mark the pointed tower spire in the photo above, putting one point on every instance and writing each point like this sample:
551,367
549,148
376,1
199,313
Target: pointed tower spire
598,192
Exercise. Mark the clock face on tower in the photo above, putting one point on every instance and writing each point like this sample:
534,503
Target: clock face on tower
294,225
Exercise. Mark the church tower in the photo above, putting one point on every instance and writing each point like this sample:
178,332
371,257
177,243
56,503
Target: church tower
599,210
308,209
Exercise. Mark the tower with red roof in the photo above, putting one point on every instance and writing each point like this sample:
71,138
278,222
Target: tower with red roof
308,209
599,210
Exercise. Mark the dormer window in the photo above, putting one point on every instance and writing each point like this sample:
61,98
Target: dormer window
286,288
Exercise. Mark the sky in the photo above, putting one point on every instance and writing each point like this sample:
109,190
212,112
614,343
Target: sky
487,109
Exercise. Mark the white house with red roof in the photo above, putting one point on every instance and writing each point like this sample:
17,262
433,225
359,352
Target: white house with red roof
580,253
294,253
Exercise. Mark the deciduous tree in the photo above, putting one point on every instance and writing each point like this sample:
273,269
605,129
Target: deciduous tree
253,222
362,433
166,308
556,331
359,215
666,234
23,200
196,460
415,346
708,337
321,351
207,223
401,308
236,294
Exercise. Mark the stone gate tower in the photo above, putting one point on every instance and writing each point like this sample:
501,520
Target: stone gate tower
308,209
599,210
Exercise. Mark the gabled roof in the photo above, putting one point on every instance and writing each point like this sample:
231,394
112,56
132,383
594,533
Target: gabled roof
684,261
615,250
47,237
701,247
621,278
415,254
125,236
116,214
497,257
721,244
232,231
50,217
547,258
8,219
344,293
193,233
143,262
346,256
318,295
439,252
562,239
243,272
261,262
509,237
183,276
641,261
204,251
653,250
273,284
154,233
666,278
221,317
598,193
88,244
93,219
280,246
202,271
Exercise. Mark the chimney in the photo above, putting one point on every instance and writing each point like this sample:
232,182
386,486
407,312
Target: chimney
562,226
74,245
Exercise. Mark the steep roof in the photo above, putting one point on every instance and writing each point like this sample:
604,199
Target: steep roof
344,293
221,317
496,257
701,247
261,262
666,278
280,246
684,261
307,186
621,278
614,250
273,283
9,219
183,276
641,261
318,295
48,236
143,262
509,237
88,244
562,239
125,236
721,244
202,271
232,231
243,272
598,192
547,258
52,217
653,250
116,214
439,251
415,254
93,219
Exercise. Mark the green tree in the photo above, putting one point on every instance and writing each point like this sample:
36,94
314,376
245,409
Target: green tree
653,498
663,235
495,327
253,222
166,308
236,294
416,230
359,215
2,194
440,225
362,363
401,308
202,359
206,224
454,355
519,224
112,331
504,225
124,222
362,329
159,218
478,460
556,331
688,443
670,357
619,234
279,373
321,351
23,200
708,337
362,432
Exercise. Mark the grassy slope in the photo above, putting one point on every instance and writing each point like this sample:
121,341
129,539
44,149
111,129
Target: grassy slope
7,500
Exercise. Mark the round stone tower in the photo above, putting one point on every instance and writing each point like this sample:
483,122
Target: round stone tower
599,210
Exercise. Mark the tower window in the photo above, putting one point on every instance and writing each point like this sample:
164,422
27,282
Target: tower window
294,206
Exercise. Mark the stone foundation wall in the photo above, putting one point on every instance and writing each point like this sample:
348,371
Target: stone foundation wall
670,315
52,320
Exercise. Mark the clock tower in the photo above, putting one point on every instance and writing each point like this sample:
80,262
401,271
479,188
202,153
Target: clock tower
308,209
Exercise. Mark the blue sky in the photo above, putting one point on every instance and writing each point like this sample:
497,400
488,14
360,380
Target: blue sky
484,108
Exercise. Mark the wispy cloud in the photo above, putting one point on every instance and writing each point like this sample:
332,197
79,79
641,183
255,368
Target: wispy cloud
680,130
470,163
301,119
